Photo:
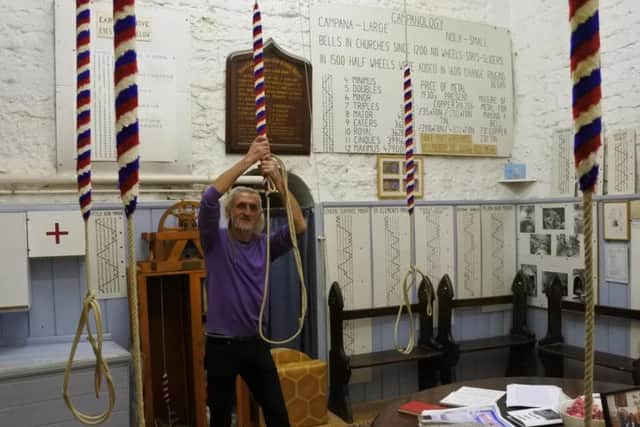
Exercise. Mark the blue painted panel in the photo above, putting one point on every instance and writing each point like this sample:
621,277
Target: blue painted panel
603,293
15,328
618,337
573,328
141,223
377,332
466,319
496,323
601,334
481,324
105,317
67,294
118,323
619,294
41,317
156,214
537,321
463,324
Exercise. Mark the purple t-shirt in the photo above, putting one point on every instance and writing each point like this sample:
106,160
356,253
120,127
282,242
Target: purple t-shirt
235,271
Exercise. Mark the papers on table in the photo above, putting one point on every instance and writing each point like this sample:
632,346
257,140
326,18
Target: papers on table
478,406
472,396
485,415
535,417
534,396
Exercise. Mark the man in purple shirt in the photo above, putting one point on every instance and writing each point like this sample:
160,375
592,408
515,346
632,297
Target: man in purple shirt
236,259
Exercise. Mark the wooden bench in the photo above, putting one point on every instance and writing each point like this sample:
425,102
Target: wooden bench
552,349
427,353
520,341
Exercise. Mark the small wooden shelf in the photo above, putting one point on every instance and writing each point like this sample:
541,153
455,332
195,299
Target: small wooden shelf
517,181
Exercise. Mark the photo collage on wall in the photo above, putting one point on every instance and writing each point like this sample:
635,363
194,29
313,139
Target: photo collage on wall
550,243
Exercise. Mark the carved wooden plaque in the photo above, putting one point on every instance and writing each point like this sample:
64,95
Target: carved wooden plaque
288,92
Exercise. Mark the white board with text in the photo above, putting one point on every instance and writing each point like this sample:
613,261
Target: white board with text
461,73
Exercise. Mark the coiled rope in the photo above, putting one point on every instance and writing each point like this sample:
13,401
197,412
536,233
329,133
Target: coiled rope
261,131
587,113
409,282
83,170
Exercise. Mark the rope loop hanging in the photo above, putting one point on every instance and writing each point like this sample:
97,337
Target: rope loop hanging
261,131
408,283
101,369
83,171
297,257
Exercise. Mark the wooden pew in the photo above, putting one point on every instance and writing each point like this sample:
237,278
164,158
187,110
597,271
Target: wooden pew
520,341
427,353
553,351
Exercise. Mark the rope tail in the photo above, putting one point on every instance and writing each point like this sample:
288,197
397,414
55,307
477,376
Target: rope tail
298,259
261,130
83,169
409,169
408,283
127,141
410,184
587,118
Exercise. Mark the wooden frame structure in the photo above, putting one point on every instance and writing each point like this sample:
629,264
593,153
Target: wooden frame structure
170,294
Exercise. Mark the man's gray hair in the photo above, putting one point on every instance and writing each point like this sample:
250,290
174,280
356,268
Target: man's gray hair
230,202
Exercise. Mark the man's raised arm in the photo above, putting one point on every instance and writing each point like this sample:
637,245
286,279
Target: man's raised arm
258,150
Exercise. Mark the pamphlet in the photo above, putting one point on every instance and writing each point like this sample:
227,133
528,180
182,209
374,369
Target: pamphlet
533,417
534,396
472,396
487,415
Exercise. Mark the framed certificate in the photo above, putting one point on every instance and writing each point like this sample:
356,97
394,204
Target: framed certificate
616,220
391,178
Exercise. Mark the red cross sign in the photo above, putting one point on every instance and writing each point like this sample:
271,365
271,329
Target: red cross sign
57,233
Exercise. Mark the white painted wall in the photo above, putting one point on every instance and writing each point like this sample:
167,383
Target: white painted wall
540,35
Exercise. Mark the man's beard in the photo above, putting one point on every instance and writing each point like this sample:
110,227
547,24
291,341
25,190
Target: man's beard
243,225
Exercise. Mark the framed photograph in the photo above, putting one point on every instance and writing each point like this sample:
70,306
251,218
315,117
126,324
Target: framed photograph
553,218
528,219
391,178
616,220
621,407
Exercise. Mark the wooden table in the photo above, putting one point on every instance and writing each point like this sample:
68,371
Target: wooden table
390,417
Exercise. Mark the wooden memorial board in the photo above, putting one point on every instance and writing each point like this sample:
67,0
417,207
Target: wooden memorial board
288,92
